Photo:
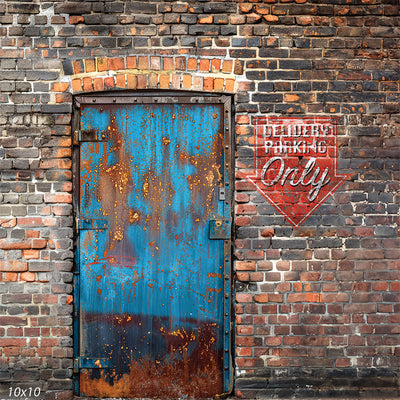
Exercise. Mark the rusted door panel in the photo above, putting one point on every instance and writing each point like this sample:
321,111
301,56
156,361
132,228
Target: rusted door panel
152,305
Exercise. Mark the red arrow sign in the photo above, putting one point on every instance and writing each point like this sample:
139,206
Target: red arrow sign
295,163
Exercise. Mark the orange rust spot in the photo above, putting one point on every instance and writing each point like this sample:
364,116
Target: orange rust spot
134,216
165,141
214,290
214,275
98,363
98,278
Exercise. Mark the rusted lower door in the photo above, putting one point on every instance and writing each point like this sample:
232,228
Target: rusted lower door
154,247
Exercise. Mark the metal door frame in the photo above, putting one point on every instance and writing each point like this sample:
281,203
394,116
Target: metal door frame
159,97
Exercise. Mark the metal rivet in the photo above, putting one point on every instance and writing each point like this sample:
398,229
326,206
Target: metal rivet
114,100
226,332
93,100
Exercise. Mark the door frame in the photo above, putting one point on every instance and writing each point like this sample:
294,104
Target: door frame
160,97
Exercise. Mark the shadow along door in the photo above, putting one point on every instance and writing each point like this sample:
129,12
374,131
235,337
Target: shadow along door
154,246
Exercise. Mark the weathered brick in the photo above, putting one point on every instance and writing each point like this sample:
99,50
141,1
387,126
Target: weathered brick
72,7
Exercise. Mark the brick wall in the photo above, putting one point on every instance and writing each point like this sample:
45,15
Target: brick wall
317,307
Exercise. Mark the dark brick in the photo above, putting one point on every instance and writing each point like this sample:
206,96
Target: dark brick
92,19
72,7
288,244
26,8
114,7
17,298
141,8
265,87
211,30
283,75
267,98
295,64
242,53
365,130
96,30
215,8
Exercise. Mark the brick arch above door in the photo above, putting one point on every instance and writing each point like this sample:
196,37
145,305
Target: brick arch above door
179,72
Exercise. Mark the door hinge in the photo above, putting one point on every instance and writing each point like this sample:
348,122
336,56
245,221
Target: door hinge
91,224
85,362
221,194
90,135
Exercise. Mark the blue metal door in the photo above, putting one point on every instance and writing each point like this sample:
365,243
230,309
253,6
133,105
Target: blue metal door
154,211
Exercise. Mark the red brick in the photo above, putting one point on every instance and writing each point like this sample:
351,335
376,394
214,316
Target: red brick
164,82
143,62
131,81
120,81
58,198
60,86
227,66
243,221
12,342
109,82
206,19
245,265
242,276
256,276
261,298
98,84
102,64
76,85
131,62
244,297
245,330
187,81
168,63
76,19
273,341
219,84
364,231
244,351
208,84
28,277
90,65
192,64
394,286
204,65
116,64
303,298
246,209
